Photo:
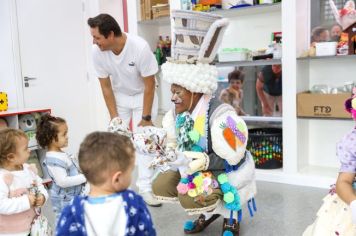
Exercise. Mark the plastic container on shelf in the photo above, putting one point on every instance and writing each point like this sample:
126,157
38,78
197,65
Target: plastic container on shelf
265,145
233,54
325,49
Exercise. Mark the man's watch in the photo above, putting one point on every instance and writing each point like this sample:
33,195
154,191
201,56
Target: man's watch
146,118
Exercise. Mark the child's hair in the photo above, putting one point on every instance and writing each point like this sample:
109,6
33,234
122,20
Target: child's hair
47,129
8,138
102,152
236,75
316,33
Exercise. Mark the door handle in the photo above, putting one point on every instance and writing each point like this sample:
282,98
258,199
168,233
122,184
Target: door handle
26,79
29,78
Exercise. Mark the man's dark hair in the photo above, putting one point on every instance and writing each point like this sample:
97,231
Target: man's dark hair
236,75
103,152
105,24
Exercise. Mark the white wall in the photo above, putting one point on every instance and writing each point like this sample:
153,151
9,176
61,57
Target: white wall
252,31
7,65
114,8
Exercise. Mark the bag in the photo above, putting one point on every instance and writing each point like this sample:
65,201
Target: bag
40,226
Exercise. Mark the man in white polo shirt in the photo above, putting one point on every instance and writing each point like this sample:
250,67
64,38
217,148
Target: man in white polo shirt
126,69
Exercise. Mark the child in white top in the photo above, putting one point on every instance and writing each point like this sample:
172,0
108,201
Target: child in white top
107,160
17,202
62,167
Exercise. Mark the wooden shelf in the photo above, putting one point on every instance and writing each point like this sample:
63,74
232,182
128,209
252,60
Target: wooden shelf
250,63
236,12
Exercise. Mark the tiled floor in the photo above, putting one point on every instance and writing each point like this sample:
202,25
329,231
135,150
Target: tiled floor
282,210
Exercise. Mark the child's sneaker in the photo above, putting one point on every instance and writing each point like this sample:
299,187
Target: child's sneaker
150,200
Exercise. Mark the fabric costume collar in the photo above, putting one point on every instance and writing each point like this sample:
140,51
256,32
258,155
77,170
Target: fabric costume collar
192,128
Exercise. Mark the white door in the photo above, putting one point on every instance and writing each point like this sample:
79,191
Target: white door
53,61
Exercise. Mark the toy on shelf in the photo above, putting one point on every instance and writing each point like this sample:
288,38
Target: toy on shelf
3,123
27,123
346,17
4,104
206,5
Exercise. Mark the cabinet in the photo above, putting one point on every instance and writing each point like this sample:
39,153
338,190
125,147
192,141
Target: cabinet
25,119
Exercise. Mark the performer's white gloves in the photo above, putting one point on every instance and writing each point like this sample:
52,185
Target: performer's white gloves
119,126
353,211
198,161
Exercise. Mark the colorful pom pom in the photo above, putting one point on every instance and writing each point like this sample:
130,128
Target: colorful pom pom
182,188
191,186
222,178
227,233
192,193
189,225
225,187
215,183
229,197
198,180
184,180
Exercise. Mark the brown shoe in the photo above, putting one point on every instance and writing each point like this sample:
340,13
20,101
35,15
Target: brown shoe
199,224
234,229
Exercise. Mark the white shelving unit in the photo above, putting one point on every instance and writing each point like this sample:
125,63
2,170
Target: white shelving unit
12,118
308,144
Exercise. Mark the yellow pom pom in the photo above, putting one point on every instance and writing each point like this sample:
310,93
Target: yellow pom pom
353,103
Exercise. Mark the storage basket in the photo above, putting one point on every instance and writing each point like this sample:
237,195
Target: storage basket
265,145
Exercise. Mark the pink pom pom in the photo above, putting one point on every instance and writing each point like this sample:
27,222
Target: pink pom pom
191,185
8,178
182,188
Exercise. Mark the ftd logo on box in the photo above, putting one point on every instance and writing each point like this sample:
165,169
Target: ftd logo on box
322,110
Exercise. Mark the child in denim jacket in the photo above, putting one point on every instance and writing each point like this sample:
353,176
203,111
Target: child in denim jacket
62,168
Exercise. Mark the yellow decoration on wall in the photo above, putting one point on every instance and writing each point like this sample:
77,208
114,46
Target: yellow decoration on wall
3,101
199,125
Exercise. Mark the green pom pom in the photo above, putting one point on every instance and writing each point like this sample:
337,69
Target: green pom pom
222,178
194,136
229,197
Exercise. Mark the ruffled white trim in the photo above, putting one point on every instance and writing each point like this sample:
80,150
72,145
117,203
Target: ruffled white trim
197,78
166,199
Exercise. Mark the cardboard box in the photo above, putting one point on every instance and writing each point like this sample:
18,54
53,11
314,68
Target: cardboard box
322,105
146,7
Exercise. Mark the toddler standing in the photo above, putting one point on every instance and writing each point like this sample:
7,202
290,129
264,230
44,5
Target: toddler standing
337,215
17,202
52,134
107,160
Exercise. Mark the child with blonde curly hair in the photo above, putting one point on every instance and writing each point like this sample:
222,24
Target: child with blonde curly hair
17,179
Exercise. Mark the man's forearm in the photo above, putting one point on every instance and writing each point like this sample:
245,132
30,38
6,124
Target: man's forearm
111,105
148,96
